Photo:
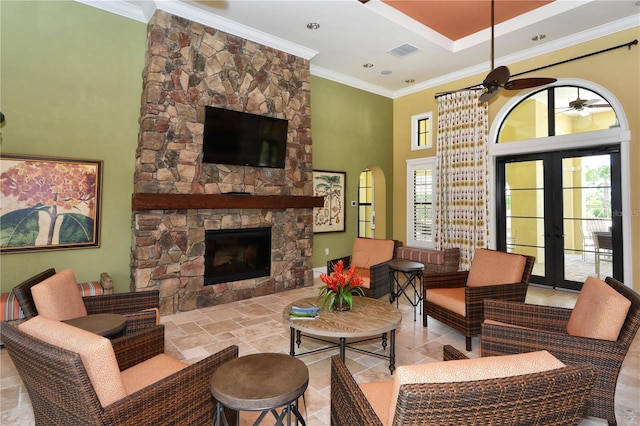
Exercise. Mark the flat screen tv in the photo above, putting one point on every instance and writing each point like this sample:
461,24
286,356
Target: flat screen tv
240,138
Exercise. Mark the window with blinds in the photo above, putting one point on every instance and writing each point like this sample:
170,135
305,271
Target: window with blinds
420,188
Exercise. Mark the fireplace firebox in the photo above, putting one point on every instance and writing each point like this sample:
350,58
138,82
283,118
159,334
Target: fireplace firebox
236,254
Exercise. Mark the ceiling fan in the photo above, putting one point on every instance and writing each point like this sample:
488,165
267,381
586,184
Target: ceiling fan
499,77
580,104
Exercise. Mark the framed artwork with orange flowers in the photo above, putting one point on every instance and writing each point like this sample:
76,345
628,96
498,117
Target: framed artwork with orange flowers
49,203
331,186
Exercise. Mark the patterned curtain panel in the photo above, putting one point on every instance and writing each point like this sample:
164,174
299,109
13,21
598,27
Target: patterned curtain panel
461,205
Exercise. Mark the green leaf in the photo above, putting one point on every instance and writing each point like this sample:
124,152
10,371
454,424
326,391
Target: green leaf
76,228
19,228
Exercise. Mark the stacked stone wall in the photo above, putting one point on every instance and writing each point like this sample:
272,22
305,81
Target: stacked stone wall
189,66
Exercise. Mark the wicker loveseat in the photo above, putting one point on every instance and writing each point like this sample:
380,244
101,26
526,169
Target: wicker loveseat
434,261
547,397
85,387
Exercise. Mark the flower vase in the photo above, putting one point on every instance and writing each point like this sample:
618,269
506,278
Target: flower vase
341,305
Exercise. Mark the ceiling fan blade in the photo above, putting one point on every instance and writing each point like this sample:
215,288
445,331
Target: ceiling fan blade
599,106
487,96
525,83
497,77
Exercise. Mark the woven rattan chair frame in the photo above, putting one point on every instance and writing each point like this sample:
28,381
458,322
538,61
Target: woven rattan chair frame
62,394
135,306
470,324
555,397
546,328
378,274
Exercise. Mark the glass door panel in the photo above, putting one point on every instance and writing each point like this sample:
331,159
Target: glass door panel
524,201
587,220
559,207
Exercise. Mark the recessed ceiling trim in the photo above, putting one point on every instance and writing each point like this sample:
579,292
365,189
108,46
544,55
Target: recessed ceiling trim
537,15
410,24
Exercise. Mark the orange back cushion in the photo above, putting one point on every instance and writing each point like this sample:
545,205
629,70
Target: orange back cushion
96,353
368,252
490,267
58,297
599,312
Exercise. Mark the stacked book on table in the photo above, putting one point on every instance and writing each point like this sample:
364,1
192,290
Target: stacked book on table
298,312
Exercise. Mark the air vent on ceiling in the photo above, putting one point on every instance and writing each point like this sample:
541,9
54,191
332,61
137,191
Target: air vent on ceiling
403,50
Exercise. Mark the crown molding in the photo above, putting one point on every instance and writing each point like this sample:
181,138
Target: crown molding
350,81
142,11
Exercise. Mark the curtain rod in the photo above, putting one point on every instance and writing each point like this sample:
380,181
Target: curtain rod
627,45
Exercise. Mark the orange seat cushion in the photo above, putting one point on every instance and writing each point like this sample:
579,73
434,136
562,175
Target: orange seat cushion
58,297
150,371
451,299
490,267
96,353
599,312
379,396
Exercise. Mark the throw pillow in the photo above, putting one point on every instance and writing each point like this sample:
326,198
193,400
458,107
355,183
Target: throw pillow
599,312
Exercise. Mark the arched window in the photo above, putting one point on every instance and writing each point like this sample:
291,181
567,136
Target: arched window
556,111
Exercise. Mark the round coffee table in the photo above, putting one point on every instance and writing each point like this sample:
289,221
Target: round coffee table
369,317
260,382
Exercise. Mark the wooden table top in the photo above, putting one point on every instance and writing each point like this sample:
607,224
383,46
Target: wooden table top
102,324
367,318
404,265
259,382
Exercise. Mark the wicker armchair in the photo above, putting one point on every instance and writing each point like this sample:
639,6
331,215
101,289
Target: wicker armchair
455,285
140,308
545,327
62,392
371,258
552,397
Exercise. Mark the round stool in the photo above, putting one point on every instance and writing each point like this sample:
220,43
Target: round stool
261,382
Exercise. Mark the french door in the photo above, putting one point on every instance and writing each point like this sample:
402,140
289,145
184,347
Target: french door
562,207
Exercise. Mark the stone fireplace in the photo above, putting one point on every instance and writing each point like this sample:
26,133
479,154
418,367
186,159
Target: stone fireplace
177,198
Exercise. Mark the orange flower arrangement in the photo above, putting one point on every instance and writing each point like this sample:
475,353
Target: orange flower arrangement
340,287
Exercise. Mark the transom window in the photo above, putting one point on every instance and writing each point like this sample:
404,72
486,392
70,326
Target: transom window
556,111
421,131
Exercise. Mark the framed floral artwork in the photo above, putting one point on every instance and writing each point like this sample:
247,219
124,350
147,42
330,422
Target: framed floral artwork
331,186
49,203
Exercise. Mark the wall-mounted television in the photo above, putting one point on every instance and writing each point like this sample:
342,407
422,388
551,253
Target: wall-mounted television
240,138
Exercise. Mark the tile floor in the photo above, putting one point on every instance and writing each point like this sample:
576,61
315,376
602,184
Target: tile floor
255,325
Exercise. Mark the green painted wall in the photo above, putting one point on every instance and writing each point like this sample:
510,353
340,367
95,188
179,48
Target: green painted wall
71,85
351,130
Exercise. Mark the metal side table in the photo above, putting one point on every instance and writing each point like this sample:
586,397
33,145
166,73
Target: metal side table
412,272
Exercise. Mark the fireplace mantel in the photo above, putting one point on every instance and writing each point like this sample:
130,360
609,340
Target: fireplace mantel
143,201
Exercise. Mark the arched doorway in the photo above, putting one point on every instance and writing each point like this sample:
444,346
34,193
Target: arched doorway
560,174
